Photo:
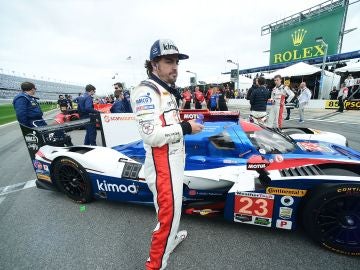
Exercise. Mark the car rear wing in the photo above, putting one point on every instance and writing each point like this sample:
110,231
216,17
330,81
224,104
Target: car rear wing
55,134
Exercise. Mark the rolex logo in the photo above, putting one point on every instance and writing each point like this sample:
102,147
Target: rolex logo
298,36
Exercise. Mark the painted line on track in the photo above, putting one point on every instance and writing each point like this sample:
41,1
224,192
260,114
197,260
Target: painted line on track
17,187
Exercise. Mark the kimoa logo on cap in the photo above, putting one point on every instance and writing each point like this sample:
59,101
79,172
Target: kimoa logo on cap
169,46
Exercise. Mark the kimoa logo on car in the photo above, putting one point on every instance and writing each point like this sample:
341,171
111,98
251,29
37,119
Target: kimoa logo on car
103,186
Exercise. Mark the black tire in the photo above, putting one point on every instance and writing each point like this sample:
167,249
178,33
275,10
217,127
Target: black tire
331,217
291,131
73,180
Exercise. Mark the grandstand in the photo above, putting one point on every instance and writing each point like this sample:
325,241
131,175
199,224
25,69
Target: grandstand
10,86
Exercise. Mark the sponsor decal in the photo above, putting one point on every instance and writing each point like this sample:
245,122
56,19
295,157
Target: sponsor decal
46,168
33,146
285,212
287,200
262,151
278,158
145,107
172,134
286,191
256,205
352,104
68,161
144,100
341,251
204,212
103,186
169,46
37,164
147,128
284,224
262,221
191,116
192,192
31,138
256,166
43,177
108,118
349,190
242,218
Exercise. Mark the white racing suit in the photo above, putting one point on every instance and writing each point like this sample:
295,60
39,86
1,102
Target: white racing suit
278,95
162,131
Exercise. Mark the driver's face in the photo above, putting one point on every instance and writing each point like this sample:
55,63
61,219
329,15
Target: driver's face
167,68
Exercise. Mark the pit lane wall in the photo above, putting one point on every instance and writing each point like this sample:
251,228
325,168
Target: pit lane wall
313,104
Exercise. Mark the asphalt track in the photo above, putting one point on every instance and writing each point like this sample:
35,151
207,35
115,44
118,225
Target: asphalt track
44,230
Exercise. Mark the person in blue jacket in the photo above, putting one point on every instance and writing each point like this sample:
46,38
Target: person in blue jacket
85,108
27,108
126,99
118,105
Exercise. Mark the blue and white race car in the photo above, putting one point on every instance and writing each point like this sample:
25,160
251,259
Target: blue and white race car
247,173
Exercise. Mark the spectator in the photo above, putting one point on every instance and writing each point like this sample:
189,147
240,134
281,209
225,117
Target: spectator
333,93
342,95
221,100
85,108
208,96
213,99
186,96
62,103
27,108
304,97
118,105
258,100
199,98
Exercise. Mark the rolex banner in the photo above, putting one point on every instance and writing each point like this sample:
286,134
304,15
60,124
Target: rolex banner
297,41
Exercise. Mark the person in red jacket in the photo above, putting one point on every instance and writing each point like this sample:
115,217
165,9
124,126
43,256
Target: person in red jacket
186,95
199,98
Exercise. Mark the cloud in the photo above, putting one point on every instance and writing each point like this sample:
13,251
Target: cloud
88,41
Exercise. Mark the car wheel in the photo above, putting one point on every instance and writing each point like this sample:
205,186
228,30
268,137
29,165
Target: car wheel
331,217
73,180
291,131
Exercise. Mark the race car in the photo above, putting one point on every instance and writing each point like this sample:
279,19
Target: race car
247,173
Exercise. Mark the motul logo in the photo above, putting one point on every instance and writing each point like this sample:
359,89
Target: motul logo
256,166
190,116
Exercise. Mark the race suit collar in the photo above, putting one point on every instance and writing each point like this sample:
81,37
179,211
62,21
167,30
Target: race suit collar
170,89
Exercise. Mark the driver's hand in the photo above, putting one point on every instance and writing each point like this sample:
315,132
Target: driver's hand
195,127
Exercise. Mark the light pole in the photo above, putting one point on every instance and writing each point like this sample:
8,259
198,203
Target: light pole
237,72
188,71
321,40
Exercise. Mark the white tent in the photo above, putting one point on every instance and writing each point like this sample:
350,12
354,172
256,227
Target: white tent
353,67
302,69
298,69
244,82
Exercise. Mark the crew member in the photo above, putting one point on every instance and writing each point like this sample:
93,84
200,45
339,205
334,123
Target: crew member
186,95
126,97
162,131
27,108
221,100
85,108
258,101
118,105
342,95
199,98
278,95
304,97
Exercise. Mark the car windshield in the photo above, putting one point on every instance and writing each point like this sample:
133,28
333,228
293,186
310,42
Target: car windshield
267,141
222,141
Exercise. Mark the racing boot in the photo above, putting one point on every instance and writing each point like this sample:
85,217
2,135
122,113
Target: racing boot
180,236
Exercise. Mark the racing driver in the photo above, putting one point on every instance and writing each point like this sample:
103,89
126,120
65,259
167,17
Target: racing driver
158,119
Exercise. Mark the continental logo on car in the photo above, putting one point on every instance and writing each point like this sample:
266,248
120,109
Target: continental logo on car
286,191
349,190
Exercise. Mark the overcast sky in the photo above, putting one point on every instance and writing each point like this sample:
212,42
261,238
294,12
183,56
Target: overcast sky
88,41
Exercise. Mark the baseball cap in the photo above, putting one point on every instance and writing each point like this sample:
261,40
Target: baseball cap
165,47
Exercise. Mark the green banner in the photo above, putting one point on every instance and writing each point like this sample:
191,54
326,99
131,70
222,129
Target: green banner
297,41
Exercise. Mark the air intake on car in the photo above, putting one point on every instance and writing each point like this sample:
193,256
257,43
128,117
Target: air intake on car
131,170
302,171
